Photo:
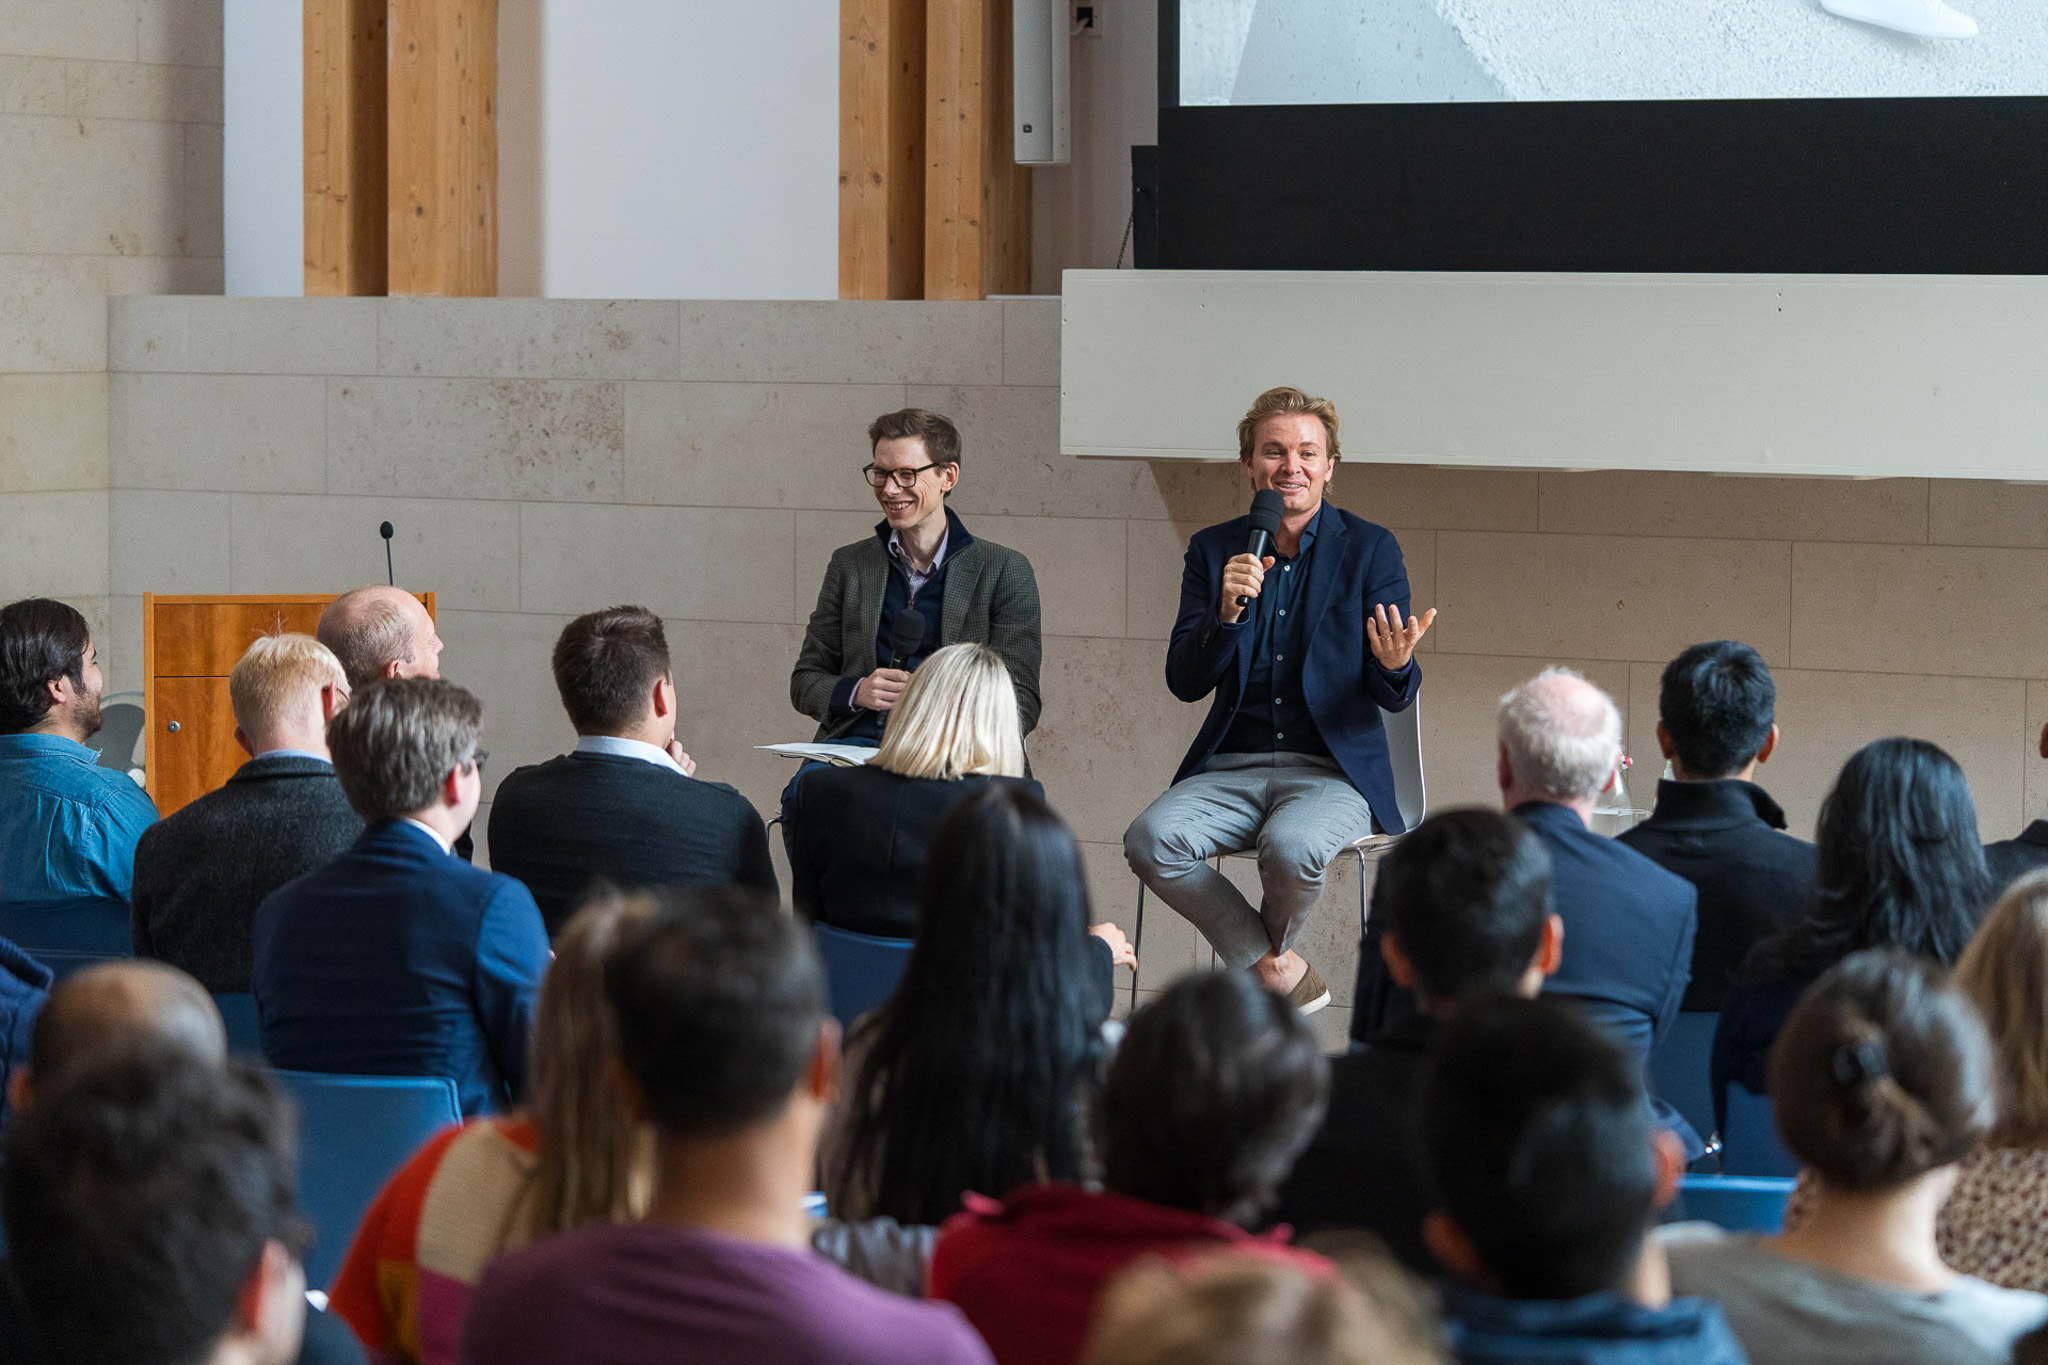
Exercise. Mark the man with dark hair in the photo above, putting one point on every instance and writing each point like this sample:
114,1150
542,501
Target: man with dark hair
849,672
626,804
1216,1089
726,1049
111,1010
398,958
1713,825
1466,896
67,826
150,1215
1546,1170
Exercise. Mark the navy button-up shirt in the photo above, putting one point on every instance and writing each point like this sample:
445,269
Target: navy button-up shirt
1273,715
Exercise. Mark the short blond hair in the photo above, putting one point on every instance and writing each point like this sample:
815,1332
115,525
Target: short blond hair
1286,402
278,674
958,716
1243,1308
2004,972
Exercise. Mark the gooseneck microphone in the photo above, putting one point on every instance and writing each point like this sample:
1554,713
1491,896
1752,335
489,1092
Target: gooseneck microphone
389,577
905,637
1266,509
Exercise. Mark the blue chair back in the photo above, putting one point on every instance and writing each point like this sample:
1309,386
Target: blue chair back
861,970
1750,1144
1737,1203
62,962
1679,1068
87,925
354,1134
238,1013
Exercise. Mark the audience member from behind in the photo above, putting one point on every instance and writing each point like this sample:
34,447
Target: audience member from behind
625,805
726,1048
973,1076
856,837
2011,859
201,872
1216,1089
397,958
1713,825
150,1215
1467,899
1546,1171
1235,1308
1884,1081
111,1010
1995,1223
573,1156
1900,866
67,826
379,633
1628,924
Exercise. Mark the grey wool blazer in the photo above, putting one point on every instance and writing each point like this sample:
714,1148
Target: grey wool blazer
991,598
200,872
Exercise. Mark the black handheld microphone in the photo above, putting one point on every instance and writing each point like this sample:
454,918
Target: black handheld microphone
905,637
1266,509
389,576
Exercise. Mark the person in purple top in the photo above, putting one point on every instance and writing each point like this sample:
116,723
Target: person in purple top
727,1050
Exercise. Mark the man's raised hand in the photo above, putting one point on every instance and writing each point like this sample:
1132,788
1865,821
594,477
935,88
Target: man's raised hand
1393,640
1243,576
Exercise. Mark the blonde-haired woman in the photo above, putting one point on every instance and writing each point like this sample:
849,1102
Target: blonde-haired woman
475,1192
857,837
1995,1225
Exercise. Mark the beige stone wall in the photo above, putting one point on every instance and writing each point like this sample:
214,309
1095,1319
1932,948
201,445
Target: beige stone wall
110,172
542,458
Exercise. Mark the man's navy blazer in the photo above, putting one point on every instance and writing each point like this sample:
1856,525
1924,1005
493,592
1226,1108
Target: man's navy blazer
1629,927
1356,567
397,959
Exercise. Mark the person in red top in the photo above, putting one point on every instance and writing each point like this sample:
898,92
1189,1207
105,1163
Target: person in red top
1216,1090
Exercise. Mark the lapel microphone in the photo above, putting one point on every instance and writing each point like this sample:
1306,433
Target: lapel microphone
1266,509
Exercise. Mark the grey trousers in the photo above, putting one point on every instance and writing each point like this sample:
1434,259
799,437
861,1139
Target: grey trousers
1296,811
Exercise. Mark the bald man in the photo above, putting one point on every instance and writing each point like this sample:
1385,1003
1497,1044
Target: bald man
100,1012
381,632
1628,924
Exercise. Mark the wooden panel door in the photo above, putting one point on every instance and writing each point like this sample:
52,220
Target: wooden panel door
193,749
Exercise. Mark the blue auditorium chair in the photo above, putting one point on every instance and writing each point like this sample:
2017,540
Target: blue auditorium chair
1678,1069
1737,1203
1750,1144
354,1134
238,1014
860,969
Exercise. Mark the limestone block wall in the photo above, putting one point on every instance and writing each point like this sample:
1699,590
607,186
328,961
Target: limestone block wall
110,167
543,458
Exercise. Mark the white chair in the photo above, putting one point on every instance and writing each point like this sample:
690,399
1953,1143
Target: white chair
1411,799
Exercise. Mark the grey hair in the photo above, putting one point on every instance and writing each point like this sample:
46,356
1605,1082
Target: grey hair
367,629
1561,740
395,743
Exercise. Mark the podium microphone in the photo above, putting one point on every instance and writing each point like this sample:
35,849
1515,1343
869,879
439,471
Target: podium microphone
1266,509
905,637
392,578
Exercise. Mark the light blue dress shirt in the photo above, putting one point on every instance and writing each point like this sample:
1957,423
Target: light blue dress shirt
67,845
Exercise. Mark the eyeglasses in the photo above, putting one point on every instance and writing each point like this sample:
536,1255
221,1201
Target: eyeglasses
905,478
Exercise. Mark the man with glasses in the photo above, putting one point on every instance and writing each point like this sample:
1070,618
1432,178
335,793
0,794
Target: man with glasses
853,666
398,958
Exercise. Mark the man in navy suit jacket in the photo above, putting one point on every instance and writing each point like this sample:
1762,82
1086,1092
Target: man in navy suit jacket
1292,760
399,958
1628,923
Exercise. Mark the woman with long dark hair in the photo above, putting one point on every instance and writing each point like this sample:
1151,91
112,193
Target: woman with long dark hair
1900,865
972,1076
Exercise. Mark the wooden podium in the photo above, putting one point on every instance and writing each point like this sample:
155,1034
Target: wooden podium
189,646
